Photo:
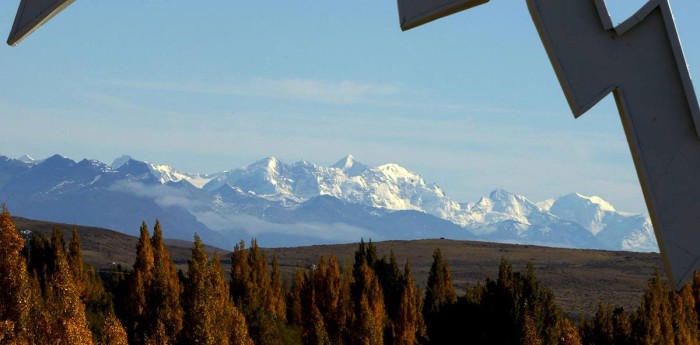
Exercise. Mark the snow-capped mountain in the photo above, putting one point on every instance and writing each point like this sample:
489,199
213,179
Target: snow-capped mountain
165,173
303,203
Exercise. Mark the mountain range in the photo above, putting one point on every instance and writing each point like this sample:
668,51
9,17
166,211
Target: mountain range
302,203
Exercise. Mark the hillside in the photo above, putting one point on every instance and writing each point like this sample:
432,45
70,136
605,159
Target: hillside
579,278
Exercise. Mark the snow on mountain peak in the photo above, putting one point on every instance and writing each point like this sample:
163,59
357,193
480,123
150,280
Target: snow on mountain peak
26,159
350,166
165,173
588,211
572,220
345,163
119,161
604,205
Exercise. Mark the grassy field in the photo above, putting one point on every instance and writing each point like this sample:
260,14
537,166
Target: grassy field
579,278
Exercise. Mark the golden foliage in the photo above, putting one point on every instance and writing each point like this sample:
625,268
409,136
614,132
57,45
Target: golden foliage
409,318
63,301
370,312
113,332
139,285
164,297
529,332
14,280
570,333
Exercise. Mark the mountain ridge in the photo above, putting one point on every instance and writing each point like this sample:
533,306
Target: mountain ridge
283,203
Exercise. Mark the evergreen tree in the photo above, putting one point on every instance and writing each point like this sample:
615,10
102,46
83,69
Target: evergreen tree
439,291
15,291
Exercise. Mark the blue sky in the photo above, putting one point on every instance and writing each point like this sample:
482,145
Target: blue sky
471,101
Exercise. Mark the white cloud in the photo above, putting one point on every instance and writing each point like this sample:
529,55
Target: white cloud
336,92
337,232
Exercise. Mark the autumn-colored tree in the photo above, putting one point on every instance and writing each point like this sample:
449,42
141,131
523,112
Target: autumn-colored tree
276,302
529,333
198,302
539,303
14,282
653,324
139,285
43,328
317,333
603,326
685,319
391,280
75,261
294,303
229,323
370,314
63,299
569,333
409,319
164,297
253,293
622,327
236,324
332,298
40,257
113,332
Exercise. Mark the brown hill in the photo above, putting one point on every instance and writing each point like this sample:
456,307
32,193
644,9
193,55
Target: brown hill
579,278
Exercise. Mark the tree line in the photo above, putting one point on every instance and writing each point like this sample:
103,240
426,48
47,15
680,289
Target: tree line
48,295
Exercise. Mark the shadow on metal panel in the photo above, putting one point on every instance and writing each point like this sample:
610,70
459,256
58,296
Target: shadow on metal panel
31,14
413,13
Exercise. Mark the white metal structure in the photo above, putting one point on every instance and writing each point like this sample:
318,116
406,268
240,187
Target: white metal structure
641,62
